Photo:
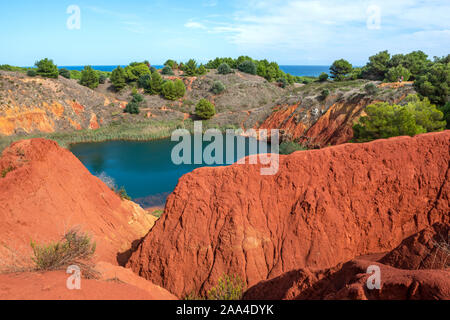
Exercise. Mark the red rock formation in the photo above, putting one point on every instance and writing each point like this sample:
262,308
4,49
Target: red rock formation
349,281
322,208
46,191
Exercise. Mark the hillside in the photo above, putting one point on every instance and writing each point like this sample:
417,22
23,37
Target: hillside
63,110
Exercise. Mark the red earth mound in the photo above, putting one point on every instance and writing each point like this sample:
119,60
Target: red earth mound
349,281
45,191
323,207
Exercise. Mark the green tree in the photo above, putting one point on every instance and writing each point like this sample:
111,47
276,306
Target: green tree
202,70
323,77
190,68
396,73
102,77
167,71
89,78
180,88
340,68
446,111
205,109
47,69
224,68
133,107
157,83
172,64
435,83
136,70
118,78
168,90
145,82
377,66
247,66
384,120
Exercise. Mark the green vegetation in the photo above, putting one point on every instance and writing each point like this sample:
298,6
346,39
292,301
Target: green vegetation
205,110
340,69
324,94
167,71
397,73
384,120
180,88
118,78
218,87
64,73
446,111
135,70
135,103
75,248
228,288
89,78
190,68
158,213
435,83
291,147
7,67
224,68
6,171
145,82
32,73
247,66
156,83
122,193
168,90
171,64
371,89
323,77
47,69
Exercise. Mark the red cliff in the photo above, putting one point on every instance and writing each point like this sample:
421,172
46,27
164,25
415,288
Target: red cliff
323,207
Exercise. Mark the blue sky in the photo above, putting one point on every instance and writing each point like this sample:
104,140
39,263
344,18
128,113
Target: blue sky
308,32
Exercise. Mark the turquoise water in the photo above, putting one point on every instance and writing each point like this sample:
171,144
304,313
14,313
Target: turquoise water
312,71
145,169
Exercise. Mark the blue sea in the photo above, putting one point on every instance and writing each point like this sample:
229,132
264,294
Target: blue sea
312,71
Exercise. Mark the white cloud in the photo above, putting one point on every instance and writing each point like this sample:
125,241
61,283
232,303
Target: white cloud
194,25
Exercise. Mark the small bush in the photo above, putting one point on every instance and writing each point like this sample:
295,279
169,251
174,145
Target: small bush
323,77
218,87
74,248
167,71
228,288
102,78
64,73
89,78
371,88
168,90
47,69
157,213
6,171
248,66
122,193
325,93
205,109
224,68
31,73
291,147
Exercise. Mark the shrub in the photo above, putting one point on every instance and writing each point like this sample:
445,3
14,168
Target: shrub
396,73
102,78
89,78
228,288
247,66
291,147
224,68
157,83
205,109
202,70
74,248
64,73
340,69
435,84
168,90
47,69
180,88
122,193
32,73
384,120
371,88
167,71
324,94
133,106
136,70
446,111
172,64
323,77
190,68
218,87
145,82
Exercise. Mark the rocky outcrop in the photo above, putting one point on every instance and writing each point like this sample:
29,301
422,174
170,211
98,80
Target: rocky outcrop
323,207
45,191
31,105
319,122
349,282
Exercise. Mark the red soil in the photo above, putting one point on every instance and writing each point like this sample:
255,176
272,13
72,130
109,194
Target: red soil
323,207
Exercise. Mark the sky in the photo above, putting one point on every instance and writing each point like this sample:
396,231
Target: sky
290,32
